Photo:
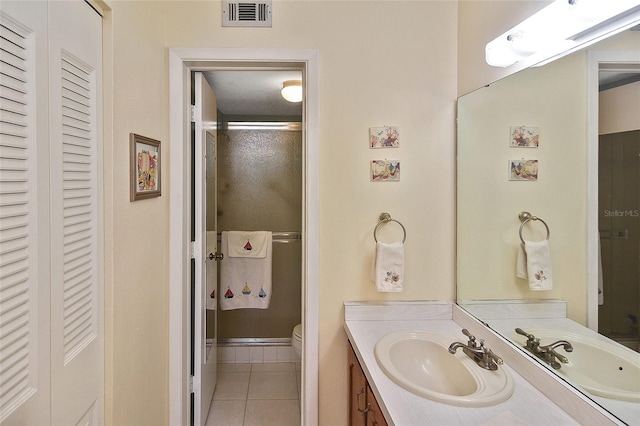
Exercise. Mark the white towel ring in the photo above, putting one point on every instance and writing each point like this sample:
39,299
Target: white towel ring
385,218
526,217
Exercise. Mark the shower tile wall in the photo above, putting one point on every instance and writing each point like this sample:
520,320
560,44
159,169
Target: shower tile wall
260,188
245,354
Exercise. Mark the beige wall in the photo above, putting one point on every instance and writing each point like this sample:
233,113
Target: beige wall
136,279
619,109
381,63
552,98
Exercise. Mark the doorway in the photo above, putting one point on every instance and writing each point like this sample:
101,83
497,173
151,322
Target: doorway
182,62
256,187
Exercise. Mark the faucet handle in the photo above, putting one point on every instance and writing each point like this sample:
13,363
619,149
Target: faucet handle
524,333
472,343
469,335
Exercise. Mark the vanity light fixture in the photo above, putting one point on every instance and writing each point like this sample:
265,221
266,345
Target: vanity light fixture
292,90
561,28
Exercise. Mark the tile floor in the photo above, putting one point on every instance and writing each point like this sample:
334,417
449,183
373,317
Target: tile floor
256,394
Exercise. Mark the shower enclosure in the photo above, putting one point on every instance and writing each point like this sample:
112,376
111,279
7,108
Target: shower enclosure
619,223
259,188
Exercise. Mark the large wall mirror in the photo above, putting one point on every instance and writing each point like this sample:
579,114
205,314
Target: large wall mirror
586,189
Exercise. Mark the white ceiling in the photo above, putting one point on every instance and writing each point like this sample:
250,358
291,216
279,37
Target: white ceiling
253,93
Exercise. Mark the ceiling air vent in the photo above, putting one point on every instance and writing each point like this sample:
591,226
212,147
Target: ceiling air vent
246,13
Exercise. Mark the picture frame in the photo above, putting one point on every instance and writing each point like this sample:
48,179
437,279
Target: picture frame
523,170
524,136
385,170
384,137
145,178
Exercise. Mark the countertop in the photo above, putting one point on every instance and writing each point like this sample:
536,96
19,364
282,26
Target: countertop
366,323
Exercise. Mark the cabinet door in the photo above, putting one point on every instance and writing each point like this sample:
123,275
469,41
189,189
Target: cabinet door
374,416
357,391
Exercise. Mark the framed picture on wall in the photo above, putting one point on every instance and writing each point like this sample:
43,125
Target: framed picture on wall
523,170
145,167
385,170
524,136
384,137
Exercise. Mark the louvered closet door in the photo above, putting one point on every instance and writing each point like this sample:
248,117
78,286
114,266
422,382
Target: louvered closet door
24,215
76,249
51,332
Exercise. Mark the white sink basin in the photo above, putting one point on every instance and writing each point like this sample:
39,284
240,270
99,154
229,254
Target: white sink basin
419,362
600,367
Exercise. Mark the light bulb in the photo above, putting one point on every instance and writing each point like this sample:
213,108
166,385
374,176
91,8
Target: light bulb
292,90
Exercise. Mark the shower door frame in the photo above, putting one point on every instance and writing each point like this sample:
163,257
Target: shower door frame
181,62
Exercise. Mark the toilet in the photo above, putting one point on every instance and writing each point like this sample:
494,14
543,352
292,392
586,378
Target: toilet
296,340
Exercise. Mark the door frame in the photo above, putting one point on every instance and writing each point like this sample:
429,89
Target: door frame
181,62
594,59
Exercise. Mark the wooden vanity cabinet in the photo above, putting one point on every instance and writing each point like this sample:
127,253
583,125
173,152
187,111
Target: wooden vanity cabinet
363,407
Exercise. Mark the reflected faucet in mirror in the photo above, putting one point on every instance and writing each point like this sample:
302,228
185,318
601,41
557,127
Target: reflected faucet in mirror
546,353
476,350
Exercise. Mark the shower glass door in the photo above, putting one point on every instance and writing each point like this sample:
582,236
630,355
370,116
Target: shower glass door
619,224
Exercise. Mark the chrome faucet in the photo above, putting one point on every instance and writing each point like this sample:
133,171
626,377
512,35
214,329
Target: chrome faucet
476,350
546,353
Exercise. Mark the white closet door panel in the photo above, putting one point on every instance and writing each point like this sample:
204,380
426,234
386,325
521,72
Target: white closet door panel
24,244
76,223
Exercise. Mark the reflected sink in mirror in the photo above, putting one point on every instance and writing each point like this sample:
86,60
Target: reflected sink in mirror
598,366
419,362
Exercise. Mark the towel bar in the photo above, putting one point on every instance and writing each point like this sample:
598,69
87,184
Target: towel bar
526,217
385,218
281,237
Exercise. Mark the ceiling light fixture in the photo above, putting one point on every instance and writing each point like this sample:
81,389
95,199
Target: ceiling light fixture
292,90
561,28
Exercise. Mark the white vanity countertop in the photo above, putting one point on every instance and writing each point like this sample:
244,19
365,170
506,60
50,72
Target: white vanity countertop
629,412
366,323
